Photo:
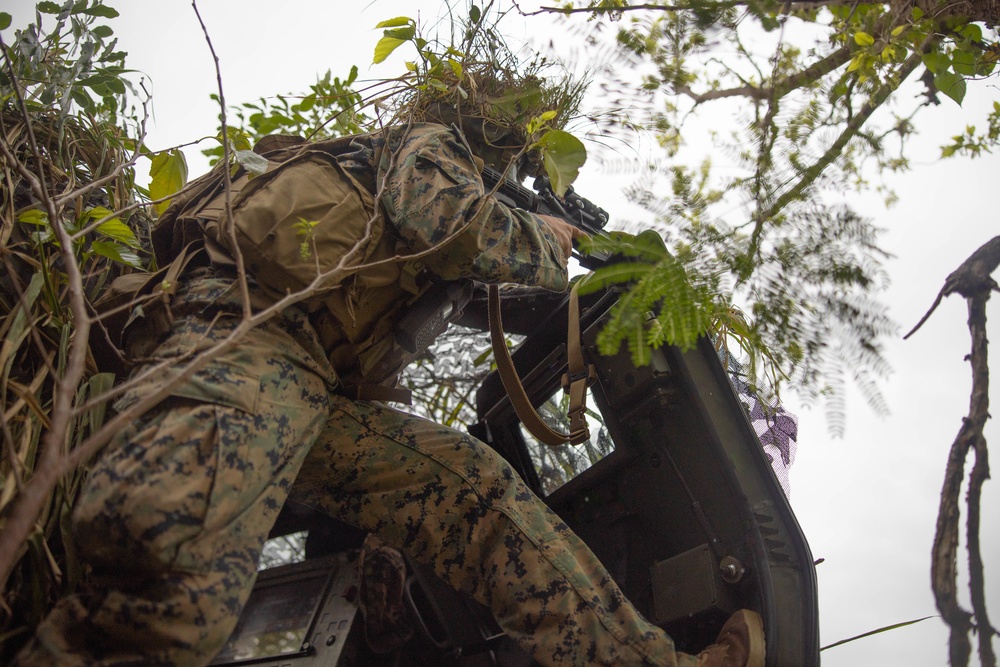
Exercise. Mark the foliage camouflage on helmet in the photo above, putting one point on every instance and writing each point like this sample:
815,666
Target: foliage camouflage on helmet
508,109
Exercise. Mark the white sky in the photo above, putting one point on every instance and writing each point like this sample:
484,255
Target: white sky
868,502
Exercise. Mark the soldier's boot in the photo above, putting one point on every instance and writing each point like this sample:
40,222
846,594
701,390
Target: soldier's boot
740,643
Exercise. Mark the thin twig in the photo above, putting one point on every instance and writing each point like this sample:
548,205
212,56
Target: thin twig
234,248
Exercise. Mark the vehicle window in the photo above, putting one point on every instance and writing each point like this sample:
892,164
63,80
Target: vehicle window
283,550
557,465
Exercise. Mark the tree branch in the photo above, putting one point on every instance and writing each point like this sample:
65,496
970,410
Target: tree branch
810,175
967,278
797,5
812,73
973,281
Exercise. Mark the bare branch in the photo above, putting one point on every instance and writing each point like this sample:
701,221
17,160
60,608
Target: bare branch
974,282
974,272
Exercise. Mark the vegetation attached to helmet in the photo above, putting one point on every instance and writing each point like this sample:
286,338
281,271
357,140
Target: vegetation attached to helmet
512,112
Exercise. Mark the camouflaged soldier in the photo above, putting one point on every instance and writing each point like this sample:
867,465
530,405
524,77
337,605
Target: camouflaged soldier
174,514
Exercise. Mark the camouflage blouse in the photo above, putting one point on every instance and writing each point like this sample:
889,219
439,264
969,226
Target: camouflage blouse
433,196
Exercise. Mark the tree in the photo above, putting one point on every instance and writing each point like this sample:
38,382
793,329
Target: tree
814,83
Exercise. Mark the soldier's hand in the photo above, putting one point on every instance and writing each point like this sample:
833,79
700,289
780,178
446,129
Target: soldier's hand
563,231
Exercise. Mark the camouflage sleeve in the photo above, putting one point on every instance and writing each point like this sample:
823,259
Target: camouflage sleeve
434,197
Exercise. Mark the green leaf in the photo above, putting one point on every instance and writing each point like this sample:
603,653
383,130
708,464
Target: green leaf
117,86
4,20
648,245
168,172
475,14
34,217
48,8
965,62
100,384
113,228
396,22
863,39
238,139
103,31
404,34
116,253
936,62
306,104
385,47
21,319
613,274
952,85
253,163
563,155
972,32
641,352
102,11
39,238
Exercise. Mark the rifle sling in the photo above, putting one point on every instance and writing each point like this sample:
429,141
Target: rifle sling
575,381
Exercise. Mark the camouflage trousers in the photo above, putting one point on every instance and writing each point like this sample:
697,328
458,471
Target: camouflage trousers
451,502
174,513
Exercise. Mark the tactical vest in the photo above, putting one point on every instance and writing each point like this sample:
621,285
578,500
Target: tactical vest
307,223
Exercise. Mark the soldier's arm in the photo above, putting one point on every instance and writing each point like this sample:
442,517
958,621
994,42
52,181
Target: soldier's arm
436,199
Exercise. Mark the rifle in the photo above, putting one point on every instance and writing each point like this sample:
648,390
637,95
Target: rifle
571,207
429,315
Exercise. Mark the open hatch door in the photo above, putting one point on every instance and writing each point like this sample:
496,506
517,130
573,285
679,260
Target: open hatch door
673,492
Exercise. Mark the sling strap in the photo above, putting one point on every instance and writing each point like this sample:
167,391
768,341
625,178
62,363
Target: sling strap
575,381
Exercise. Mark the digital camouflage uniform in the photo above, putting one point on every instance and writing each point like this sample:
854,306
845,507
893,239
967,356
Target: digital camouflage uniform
174,513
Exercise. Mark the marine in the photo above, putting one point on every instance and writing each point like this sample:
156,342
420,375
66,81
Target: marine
175,511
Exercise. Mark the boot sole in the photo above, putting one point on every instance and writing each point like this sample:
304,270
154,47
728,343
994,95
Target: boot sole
756,651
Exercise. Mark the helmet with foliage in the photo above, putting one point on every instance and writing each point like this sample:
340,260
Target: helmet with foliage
509,110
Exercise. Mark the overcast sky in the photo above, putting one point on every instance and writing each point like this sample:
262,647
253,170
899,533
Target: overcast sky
867,502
